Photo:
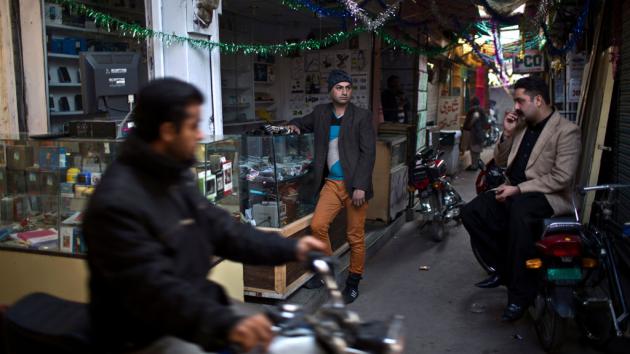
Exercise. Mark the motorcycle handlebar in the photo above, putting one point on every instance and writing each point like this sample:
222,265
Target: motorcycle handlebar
609,187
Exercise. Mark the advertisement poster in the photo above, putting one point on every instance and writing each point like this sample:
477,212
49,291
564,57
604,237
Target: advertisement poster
449,110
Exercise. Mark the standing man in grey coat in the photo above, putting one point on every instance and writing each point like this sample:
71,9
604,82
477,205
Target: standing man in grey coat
345,149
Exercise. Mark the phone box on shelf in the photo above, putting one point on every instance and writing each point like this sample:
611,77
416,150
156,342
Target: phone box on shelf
51,158
16,182
13,209
3,157
33,180
227,178
3,181
19,157
50,182
71,239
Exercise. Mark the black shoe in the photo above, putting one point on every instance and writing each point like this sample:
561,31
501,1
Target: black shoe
351,292
491,282
513,312
471,168
315,282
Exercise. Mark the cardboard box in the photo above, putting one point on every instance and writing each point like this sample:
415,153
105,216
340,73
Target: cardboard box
71,239
33,180
19,157
3,181
50,182
16,182
54,14
228,183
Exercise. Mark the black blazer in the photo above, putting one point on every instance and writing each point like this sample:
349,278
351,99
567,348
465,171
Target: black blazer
357,145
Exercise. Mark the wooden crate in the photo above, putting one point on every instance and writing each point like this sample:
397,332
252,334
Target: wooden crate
280,281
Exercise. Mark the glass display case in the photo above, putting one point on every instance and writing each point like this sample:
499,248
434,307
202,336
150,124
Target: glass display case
217,172
276,178
45,186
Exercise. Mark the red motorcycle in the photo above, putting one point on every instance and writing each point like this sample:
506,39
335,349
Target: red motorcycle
439,201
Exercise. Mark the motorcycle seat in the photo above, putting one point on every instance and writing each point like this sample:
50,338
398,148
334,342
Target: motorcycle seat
42,323
561,224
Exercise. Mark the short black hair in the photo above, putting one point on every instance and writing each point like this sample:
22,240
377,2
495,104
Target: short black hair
534,86
160,101
475,101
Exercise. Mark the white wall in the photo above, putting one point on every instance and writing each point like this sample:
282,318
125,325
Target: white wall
199,67
8,99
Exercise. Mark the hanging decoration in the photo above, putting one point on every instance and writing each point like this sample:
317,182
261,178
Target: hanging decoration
506,20
574,36
429,51
361,14
131,30
498,53
319,10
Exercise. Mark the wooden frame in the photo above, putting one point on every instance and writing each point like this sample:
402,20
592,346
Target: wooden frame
280,281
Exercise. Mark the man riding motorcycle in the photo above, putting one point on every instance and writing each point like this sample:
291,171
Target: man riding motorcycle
151,236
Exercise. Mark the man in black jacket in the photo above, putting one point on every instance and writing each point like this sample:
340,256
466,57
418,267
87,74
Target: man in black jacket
345,150
151,236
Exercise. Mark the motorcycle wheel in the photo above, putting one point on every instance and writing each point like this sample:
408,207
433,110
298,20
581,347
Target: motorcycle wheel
550,327
437,228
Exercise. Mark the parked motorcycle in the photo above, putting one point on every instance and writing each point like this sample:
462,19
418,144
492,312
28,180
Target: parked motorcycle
493,131
42,323
439,203
604,303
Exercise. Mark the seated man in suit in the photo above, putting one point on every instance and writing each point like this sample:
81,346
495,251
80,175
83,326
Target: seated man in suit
541,151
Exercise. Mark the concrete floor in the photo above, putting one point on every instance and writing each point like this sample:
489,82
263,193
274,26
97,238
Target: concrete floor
437,303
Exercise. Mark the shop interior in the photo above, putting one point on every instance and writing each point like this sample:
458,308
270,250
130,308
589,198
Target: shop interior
258,88
76,48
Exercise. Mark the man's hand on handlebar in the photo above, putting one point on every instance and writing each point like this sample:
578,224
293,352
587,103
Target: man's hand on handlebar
252,332
307,245
293,128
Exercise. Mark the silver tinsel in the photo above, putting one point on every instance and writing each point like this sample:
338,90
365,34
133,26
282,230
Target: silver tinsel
361,15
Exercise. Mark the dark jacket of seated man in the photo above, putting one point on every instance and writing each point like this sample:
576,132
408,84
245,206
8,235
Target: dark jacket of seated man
553,162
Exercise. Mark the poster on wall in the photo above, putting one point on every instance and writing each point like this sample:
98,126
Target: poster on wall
449,111
359,61
576,65
558,90
297,68
342,60
313,83
311,62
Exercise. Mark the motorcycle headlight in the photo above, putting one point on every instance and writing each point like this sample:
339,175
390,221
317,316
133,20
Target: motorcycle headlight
395,339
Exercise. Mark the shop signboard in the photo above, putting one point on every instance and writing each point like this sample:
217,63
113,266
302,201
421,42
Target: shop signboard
533,61
449,111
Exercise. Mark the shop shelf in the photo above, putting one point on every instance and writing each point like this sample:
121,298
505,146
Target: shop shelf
62,56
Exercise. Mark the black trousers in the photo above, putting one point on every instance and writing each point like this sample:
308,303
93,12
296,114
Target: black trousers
505,235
